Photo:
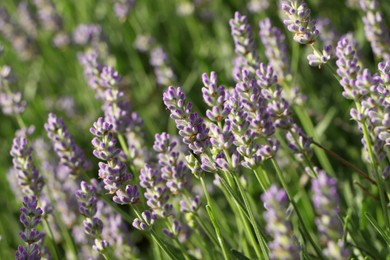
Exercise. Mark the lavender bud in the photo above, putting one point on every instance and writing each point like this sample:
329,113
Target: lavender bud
318,59
147,220
129,196
299,22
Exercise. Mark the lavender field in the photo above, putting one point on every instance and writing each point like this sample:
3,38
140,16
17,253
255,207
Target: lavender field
204,129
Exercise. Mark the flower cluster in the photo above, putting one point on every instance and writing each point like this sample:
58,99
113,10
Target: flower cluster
274,42
12,103
164,73
244,41
376,31
105,81
191,127
70,154
93,225
30,217
318,59
299,22
326,204
28,175
284,244
348,67
113,172
23,43
122,8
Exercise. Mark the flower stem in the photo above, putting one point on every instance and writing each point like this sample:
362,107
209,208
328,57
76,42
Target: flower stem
210,211
305,229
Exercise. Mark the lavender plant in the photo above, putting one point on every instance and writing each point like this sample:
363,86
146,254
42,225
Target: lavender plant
144,186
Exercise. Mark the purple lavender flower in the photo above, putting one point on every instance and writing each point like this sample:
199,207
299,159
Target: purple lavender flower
376,31
157,194
284,244
277,106
11,103
147,220
328,35
348,66
129,196
326,205
215,97
86,34
299,22
61,40
48,15
23,44
319,59
92,68
191,127
190,206
244,41
70,154
299,143
256,6
122,8
173,169
162,70
28,176
26,20
93,226
30,217
113,172
275,48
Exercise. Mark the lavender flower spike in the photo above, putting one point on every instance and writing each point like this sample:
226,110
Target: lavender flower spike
113,172
348,67
244,41
299,22
326,205
164,73
70,154
93,225
318,59
30,217
191,127
274,42
376,31
29,178
284,244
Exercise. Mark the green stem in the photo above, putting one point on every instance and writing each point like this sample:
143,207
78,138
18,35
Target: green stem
244,219
52,242
305,229
160,243
259,236
262,178
309,129
210,211
180,245
70,244
345,162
